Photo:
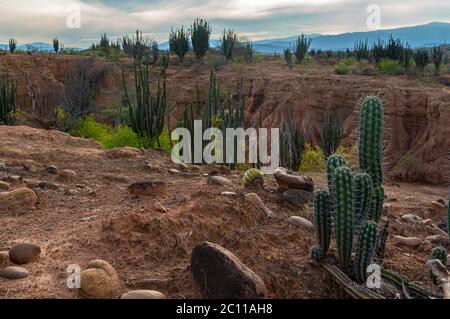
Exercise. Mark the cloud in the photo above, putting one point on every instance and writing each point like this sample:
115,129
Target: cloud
41,20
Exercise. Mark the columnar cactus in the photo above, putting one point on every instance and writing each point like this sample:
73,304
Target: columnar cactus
317,254
363,198
370,138
448,217
344,196
253,177
364,252
377,203
334,161
322,219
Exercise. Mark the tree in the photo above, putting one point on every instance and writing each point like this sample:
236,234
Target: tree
301,47
179,42
200,33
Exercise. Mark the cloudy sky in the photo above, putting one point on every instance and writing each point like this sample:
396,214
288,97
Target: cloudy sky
42,20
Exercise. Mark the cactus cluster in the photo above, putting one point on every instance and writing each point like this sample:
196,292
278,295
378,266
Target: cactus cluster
253,177
354,200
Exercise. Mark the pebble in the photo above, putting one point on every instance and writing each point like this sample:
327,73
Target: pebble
13,272
52,169
411,218
220,180
228,194
143,294
68,175
412,242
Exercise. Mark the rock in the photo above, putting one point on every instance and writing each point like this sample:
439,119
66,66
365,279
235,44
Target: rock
13,179
228,194
301,222
219,180
2,166
52,169
441,201
147,187
426,246
99,281
411,218
4,258
49,185
297,197
448,260
174,171
437,208
287,179
24,253
160,208
124,152
68,175
428,222
153,168
12,272
19,198
4,186
31,183
221,275
116,178
256,200
71,192
143,294
437,239
412,242
437,231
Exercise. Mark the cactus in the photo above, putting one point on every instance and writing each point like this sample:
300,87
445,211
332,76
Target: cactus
228,43
421,58
301,47
440,254
381,243
448,216
363,198
376,203
370,136
322,214
331,131
317,254
179,42
12,45
8,98
365,249
344,197
56,45
288,57
200,32
253,177
334,161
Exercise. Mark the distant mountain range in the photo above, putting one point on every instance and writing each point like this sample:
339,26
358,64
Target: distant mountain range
426,35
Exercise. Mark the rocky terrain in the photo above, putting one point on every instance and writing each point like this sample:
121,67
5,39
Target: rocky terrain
417,114
77,206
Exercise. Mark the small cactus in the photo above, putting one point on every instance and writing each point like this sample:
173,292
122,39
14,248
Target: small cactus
253,177
363,198
322,219
317,254
344,196
370,138
365,249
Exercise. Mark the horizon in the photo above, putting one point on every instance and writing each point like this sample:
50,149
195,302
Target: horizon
254,20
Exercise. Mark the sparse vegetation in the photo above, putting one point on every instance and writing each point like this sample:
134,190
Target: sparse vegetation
12,45
421,58
390,67
56,45
362,50
301,47
179,43
437,54
331,131
228,44
292,142
200,33
288,57
8,100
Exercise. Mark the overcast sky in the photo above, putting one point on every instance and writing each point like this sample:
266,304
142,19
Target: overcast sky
42,20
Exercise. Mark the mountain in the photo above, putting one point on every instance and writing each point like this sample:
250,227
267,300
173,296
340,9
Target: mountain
417,36
35,46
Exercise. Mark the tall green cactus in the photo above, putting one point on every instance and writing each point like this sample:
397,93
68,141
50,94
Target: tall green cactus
370,138
363,198
365,249
333,162
344,196
8,98
377,203
322,214
448,216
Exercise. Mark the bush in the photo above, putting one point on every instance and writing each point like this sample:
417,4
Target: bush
313,159
341,69
89,128
391,67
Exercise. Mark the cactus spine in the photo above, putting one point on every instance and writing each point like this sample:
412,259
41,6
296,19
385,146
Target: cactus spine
366,245
344,196
370,136
363,198
322,219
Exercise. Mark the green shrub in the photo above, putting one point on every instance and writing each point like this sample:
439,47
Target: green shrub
89,128
120,137
313,159
391,67
341,69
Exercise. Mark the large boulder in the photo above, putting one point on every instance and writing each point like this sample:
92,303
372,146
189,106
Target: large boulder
99,281
24,253
221,275
287,179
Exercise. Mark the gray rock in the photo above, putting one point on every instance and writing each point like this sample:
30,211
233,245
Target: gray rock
24,253
297,197
52,169
221,275
13,272
150,187
301,222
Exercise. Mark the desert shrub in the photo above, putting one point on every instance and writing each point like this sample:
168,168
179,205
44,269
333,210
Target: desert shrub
364,68
90,128
120,137
288,57
313,159
391,67
331,130
341,69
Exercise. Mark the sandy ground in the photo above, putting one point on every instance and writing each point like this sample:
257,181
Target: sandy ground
95,217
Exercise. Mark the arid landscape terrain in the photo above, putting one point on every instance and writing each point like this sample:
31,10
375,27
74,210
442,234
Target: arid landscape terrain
84,210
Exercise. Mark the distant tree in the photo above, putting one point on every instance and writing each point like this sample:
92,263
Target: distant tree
56,45
437,54
248,52
200,33
421,58
12,45
301,47
155,51
179,42
228,43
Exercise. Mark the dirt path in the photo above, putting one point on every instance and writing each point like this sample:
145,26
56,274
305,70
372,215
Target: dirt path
94,217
